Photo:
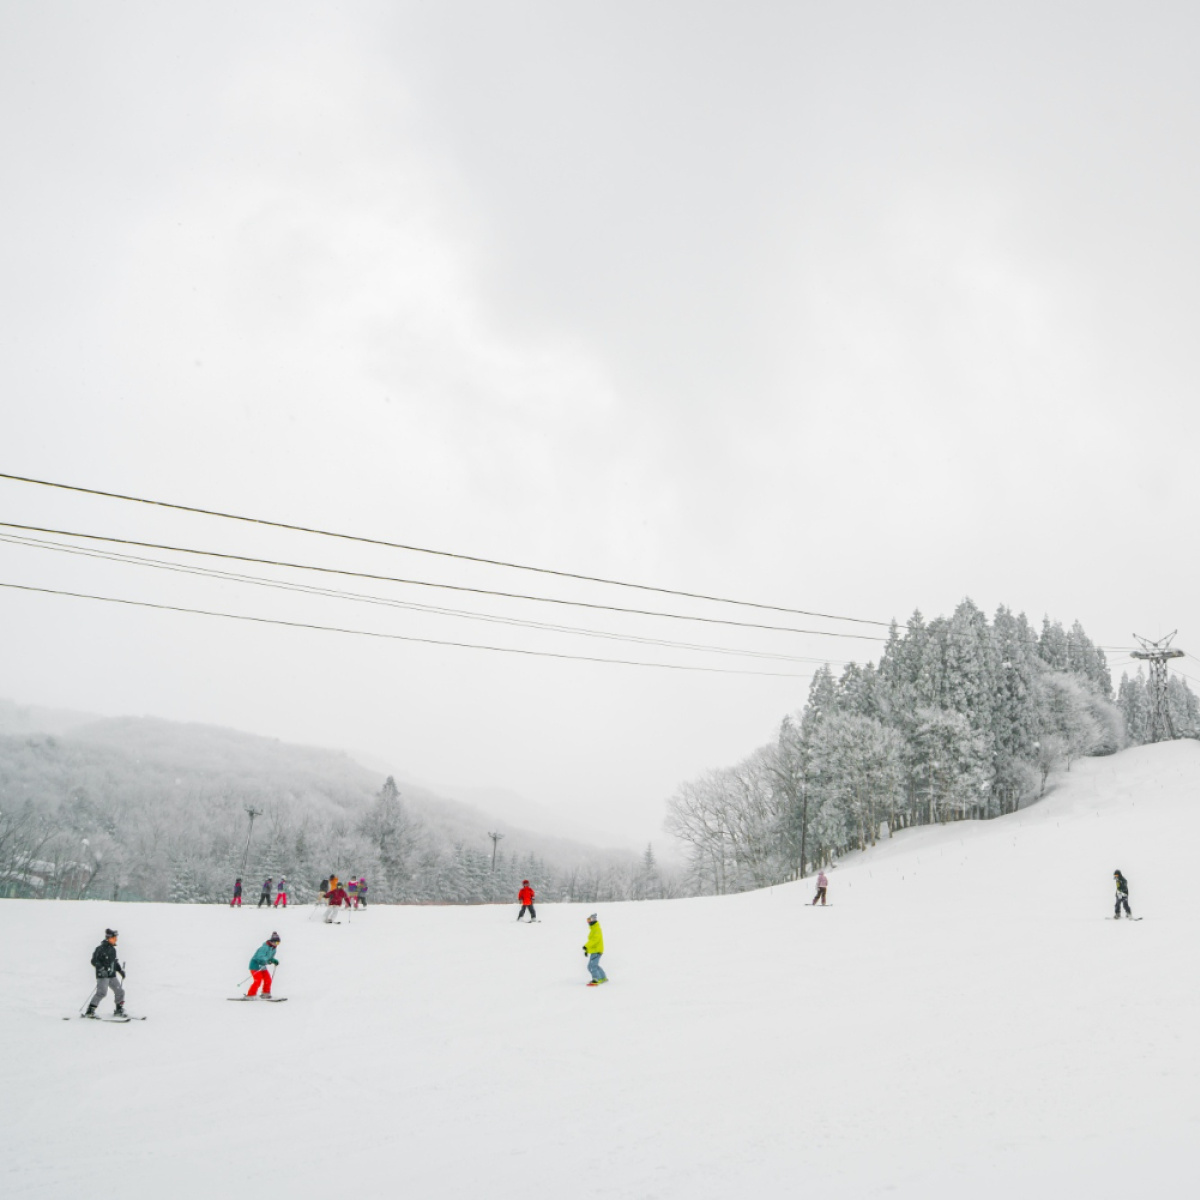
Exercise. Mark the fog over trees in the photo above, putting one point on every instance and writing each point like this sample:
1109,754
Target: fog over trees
152,810
960,719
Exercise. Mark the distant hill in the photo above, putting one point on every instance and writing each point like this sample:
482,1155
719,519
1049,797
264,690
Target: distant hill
162,806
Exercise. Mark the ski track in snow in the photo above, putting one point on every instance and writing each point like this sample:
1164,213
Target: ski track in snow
964,1022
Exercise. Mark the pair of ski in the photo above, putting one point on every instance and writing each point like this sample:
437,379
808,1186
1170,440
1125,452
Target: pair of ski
1126,918
112,1020
269,999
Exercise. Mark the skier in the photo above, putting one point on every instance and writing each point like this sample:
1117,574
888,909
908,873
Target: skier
336,897
362,891
264,957
822,884
1122,895
593,948
104,959
324,888
525,895
265,898
236,902
281,893
352,891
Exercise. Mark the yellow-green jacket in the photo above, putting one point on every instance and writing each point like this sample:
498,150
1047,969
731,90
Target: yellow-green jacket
595,942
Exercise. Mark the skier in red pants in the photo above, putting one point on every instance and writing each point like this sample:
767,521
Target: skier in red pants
264,957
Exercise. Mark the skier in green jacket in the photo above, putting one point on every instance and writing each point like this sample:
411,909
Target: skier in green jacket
264,956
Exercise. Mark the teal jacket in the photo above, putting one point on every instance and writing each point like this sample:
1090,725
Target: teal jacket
263,955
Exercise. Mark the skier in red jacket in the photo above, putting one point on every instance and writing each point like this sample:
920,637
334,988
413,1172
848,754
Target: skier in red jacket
336,898
525,895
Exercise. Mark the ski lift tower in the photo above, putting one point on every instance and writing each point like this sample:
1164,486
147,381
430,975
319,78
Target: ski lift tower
1156,654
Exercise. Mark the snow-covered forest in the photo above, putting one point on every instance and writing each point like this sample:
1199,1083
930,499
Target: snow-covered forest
153,810
961,718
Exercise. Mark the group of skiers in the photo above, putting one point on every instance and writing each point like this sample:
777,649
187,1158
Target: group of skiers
104,957
281,894
353,893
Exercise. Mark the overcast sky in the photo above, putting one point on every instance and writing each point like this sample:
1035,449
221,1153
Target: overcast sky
855,308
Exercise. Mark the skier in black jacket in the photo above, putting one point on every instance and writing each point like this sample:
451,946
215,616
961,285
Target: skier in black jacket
265,898
104,959
1122,895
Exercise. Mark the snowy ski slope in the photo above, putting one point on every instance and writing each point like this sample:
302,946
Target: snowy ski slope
963,1022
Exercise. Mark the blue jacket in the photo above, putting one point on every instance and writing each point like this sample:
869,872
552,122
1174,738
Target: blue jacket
263,955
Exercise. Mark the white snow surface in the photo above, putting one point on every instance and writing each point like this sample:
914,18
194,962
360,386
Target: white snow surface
964,1021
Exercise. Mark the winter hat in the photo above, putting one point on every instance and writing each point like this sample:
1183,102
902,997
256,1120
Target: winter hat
274,938
525,882
110,933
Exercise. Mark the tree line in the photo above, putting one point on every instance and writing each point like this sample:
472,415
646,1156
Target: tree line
961,718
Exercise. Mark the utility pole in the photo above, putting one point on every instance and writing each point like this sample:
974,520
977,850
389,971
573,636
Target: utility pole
251,812
495,842
1156,654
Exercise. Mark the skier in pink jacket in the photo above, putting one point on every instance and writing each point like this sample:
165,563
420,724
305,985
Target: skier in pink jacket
822,884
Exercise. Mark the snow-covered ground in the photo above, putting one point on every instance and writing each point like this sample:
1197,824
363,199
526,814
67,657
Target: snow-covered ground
963,1022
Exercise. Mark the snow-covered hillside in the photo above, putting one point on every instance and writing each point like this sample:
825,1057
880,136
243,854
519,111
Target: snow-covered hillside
962,1022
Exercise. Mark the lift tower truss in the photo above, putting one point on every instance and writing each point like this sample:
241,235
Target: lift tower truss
1156,654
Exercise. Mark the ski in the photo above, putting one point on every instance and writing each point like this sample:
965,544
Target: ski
113,1020
1124,918
268,999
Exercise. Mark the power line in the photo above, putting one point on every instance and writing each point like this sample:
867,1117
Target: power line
491,562
397,637
361,598
451,587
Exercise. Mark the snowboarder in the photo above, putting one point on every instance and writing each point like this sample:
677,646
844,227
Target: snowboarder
593,948
281,893
265,898
362,891
236,902
525,895
336,897
1122,895
264,957
104,959
822,884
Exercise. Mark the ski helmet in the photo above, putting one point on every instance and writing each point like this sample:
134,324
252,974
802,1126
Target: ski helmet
592,919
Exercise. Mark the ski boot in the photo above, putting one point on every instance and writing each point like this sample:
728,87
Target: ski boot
119,1011
91,1012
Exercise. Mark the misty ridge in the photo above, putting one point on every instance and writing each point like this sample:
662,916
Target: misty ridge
960,719
149,809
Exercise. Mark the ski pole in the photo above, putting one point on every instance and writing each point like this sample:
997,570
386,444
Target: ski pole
87,1001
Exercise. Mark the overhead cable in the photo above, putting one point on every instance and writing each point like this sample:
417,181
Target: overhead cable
451,587
389,602
397,637
491,562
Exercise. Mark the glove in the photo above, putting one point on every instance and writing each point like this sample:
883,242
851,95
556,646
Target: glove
585,949
274,962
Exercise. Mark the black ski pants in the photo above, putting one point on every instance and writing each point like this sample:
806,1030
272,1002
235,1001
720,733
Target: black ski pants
532,914
265,898
1122,898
